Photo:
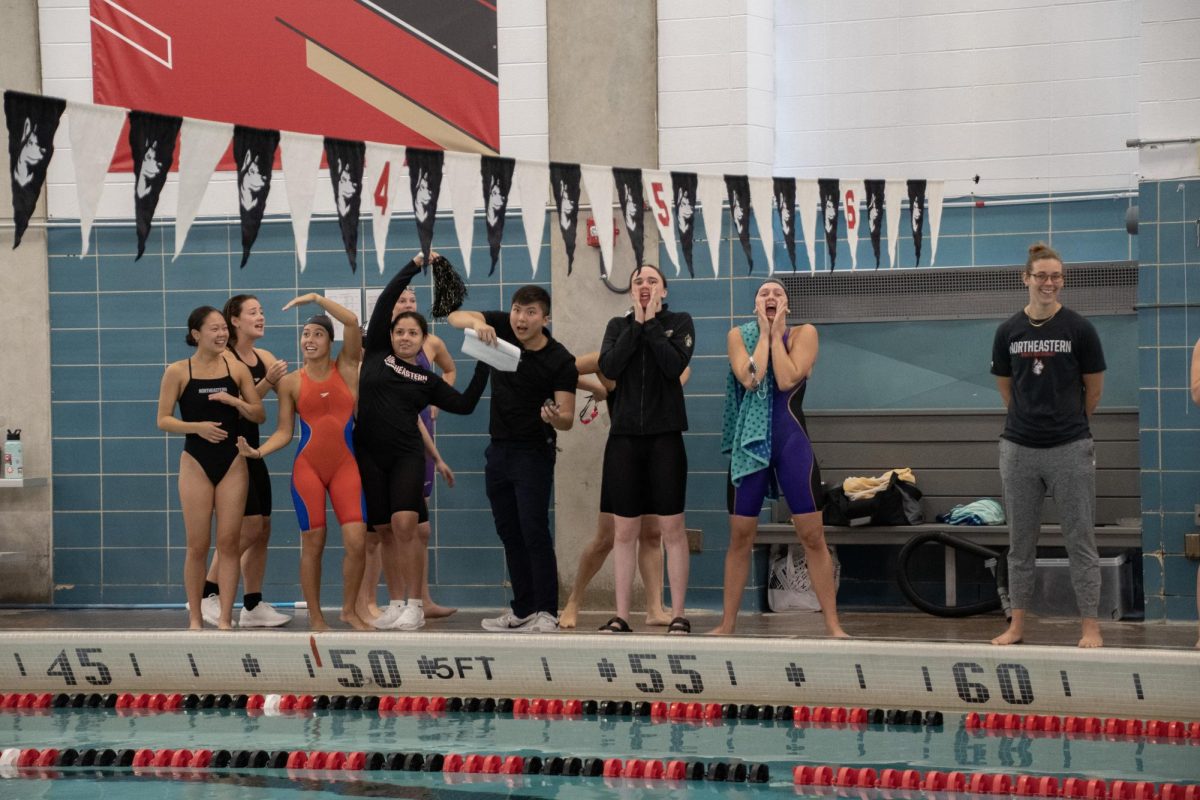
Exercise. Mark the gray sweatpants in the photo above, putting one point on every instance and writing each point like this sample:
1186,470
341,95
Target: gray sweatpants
1068,472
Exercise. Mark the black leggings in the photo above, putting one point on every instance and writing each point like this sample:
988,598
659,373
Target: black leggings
391,484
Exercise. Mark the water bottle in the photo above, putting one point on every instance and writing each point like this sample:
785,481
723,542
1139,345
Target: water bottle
12,455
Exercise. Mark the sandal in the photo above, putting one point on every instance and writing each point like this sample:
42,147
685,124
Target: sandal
679,626
616,625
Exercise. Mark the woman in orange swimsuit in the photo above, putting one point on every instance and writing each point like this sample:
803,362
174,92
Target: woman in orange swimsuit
323,393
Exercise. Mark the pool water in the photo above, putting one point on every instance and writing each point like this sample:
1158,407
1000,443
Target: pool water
781,745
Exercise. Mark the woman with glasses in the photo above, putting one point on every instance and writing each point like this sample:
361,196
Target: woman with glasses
1049,369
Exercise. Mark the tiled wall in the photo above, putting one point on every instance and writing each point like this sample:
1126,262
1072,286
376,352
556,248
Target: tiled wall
1168,327
118,533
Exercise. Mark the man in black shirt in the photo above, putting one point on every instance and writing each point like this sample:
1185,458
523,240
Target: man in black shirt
1049,369
528,407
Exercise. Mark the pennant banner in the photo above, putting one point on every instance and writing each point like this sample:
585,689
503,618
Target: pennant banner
760,201
785,203
808,197
633,208
874,196
382,172
94,131
497,174
346,159
893,199
564,181
532,180
201,145
831,195
599,183
301,156
152,142
739,211
462,172
32,122
425,181
916,215
683,188
655,183
934,194
254,151
852,192
710,191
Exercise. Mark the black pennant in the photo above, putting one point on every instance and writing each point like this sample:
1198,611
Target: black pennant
633,207
425,181
497,182
152,142
738,187
254,152
564,182
874,199
346,159
785,202
32,121
683,191
831,195
916,213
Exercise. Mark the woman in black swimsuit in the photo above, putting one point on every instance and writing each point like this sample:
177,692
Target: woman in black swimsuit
212,389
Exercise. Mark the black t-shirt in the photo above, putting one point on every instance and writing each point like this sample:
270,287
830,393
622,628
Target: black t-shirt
517,397
1047,364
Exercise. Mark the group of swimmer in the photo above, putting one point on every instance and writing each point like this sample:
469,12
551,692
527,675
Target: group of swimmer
367,415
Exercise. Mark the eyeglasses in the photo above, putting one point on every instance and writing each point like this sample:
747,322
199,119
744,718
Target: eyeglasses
1043,277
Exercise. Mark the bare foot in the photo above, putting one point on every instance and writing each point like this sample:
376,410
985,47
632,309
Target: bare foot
722,630
434,611
658,617
225,626
354,621
1010,636
317,624
367,611
1091,634
836,632
199,626
569,616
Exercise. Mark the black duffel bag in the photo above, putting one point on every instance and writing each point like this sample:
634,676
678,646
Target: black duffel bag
897,504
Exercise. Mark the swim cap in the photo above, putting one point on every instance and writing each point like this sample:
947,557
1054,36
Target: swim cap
323,320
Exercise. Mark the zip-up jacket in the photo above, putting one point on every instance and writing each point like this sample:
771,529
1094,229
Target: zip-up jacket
646,360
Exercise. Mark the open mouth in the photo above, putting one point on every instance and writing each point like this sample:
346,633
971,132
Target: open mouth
771,308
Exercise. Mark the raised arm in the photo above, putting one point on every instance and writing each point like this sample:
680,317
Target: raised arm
447,398
740,359
351,332
793,361
475,321
379,337
671,353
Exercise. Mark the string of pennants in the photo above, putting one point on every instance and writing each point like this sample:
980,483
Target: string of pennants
466,182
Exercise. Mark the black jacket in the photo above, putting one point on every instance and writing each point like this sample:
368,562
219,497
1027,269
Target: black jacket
646,361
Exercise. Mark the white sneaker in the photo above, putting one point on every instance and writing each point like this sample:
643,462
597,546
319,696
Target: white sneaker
411,618
210,609
507,622
262,615
388,618
543,622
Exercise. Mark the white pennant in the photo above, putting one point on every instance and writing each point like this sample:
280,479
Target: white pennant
301,155
657,185
382,160
808,197
598,181
852,193
531,179
710,192
462,179
93,132
935,192
201,145
894,193
762,203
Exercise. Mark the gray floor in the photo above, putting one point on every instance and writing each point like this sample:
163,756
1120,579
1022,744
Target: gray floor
870,625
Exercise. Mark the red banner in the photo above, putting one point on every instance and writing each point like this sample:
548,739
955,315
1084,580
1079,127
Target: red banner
395,71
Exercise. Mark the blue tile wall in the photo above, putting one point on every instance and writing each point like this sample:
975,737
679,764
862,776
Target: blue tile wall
1168,327
116,322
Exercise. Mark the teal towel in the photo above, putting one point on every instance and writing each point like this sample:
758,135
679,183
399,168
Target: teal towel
746,430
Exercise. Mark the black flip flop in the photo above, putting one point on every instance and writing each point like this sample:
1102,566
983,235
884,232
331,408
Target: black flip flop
616,625
679,626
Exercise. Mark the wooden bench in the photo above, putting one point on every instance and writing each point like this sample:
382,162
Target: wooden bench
954,456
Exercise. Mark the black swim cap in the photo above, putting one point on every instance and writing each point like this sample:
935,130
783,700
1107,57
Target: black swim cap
323,320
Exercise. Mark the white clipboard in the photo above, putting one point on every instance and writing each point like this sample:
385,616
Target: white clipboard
503,355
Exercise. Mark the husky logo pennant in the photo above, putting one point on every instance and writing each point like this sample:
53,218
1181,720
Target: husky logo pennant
683,190
739,211
916,214
254,152
346,159
785,202
32,121
152,142
633,207
874,203
425,182
831,195
497,174
564,182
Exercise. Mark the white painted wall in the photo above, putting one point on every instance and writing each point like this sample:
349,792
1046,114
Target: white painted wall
1169,86
66,63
